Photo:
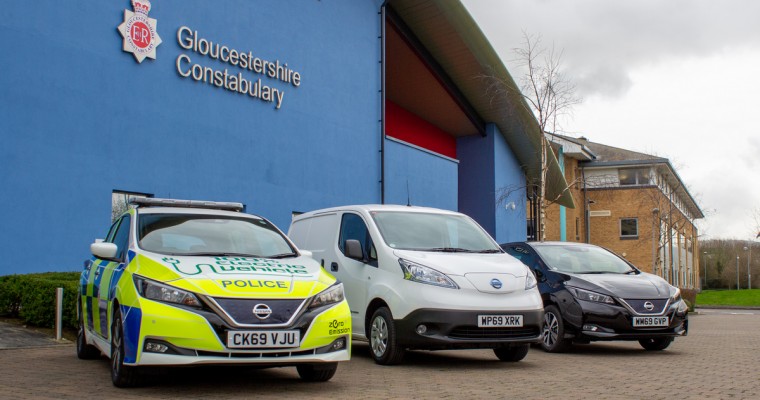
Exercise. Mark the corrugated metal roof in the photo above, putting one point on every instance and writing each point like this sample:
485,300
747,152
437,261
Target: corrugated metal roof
453,38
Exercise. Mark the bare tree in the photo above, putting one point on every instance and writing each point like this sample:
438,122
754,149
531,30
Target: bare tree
549,95
756,222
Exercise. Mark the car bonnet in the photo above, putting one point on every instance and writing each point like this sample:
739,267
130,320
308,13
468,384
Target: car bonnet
627,286
481,270
237,276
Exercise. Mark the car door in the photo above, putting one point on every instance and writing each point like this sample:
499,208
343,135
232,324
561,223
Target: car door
107,274
528,256
93,271
355,274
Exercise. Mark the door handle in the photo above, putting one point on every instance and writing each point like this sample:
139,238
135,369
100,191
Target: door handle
334,267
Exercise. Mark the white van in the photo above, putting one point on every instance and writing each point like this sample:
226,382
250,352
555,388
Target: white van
423,278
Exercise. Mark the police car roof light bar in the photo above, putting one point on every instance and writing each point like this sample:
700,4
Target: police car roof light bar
156,202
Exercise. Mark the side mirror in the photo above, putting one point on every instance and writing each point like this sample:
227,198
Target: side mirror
539,275
354,250
103,250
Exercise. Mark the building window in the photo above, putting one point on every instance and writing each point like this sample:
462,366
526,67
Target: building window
633,176
629,228
577,228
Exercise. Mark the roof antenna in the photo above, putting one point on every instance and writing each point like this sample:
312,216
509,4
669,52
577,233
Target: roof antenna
408,197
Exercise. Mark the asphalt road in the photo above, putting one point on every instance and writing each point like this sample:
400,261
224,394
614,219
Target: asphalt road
718,360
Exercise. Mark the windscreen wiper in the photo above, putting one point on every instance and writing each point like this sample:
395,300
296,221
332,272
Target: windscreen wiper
490,251
283,255
219,254
450,250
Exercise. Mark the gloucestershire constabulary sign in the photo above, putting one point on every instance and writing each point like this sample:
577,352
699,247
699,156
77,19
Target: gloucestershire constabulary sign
139,31
245,80
241,73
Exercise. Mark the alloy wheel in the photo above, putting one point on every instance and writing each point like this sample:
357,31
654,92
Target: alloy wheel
551,330
379,336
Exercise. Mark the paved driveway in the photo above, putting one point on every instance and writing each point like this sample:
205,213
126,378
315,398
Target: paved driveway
718,360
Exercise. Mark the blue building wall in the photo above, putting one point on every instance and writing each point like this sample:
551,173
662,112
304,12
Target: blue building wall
79,117
509,182
490,182
420,177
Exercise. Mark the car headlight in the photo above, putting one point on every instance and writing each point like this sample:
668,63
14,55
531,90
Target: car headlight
682,307
169,294
676,296
422,274
333,294
591,296
530,280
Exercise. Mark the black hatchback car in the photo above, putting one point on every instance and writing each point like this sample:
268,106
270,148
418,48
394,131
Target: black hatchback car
592,294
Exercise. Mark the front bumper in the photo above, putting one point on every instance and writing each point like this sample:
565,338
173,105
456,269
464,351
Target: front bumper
181,356
591,321
455,329
194,337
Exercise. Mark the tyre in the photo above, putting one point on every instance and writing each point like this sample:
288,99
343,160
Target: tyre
512,353
656,344
553,331
85,351
122,376
383,339
317,372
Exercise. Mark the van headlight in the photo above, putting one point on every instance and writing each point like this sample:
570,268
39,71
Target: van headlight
168,294
530,280
422,274
333,294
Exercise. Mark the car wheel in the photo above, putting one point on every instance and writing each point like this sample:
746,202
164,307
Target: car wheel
553,331
382,339
513,353
656,344
317,372
121,375
85,351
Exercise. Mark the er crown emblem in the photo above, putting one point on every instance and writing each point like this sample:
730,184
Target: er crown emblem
139,31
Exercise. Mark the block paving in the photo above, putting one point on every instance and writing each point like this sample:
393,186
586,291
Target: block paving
718,360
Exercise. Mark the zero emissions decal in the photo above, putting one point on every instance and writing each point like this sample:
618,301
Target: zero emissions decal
236,265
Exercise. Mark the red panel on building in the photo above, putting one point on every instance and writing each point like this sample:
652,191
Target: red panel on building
403,125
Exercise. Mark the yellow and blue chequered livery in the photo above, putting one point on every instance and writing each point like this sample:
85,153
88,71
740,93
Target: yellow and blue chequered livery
189,285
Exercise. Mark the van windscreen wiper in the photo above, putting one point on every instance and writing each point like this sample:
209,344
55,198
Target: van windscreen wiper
450,250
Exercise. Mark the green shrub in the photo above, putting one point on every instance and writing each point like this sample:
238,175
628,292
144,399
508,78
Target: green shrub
32,297
10,295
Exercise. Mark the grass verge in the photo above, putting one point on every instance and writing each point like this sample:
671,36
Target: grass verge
741,298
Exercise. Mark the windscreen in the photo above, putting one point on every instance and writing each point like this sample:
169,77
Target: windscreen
192,234
433,232
582,260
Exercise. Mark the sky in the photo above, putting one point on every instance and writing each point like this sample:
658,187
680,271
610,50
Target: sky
677,79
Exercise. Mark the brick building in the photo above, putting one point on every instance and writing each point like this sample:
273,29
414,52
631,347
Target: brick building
632,203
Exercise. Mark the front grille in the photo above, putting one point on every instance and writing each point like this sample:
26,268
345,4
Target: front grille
241,310
473,332
637,305
249,354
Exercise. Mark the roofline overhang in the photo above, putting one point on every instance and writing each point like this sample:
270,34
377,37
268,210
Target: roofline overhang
571,148
453,39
